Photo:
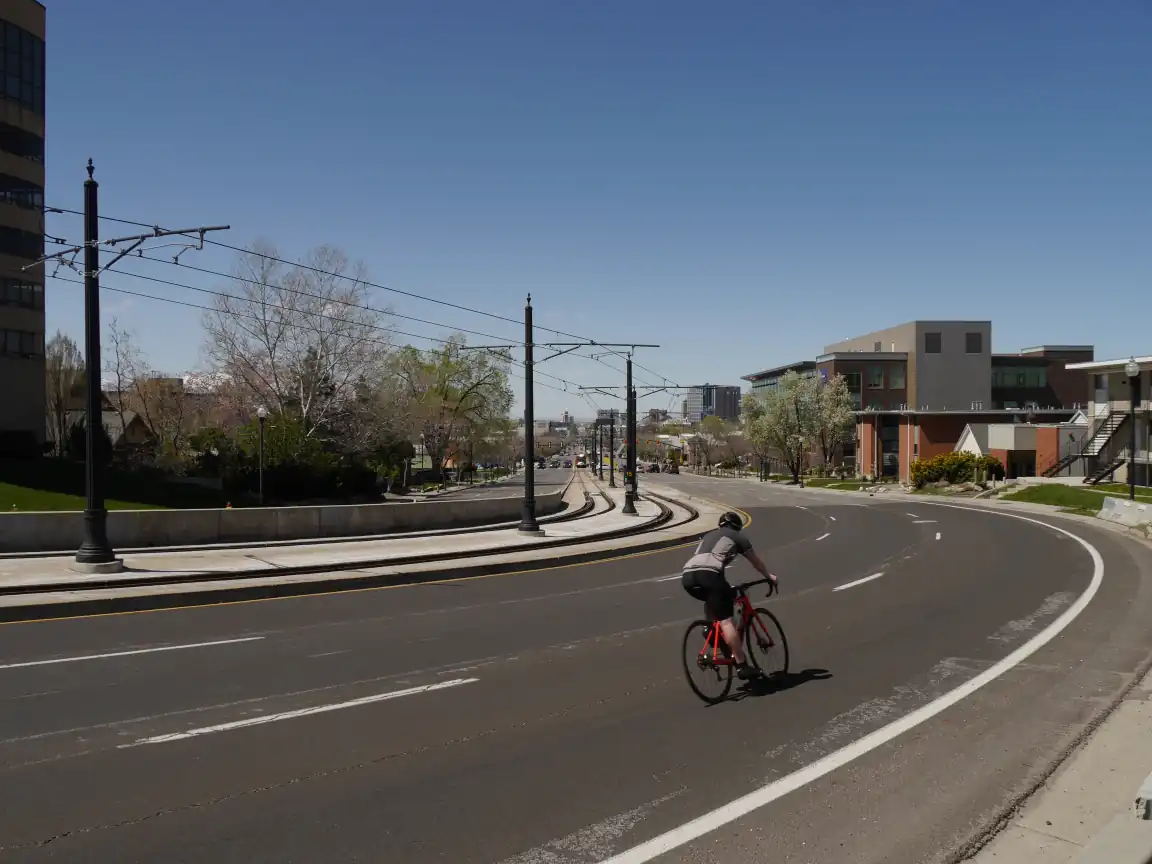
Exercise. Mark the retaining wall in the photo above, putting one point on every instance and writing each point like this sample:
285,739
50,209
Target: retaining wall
138,529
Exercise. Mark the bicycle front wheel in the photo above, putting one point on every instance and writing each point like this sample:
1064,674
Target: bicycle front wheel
766,643
708,680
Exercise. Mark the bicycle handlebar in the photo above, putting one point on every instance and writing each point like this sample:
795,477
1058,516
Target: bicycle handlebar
772,586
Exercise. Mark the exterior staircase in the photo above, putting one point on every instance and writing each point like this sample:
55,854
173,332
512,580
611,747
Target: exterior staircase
1104,432
1106,470
1054,469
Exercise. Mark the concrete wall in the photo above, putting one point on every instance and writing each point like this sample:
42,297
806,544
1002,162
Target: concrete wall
134,529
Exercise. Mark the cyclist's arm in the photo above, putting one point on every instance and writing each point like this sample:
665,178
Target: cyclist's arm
755,561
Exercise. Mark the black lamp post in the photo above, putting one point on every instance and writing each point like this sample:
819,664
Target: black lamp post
1132,368
261,415
95,554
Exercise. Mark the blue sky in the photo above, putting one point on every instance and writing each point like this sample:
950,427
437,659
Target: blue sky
741,183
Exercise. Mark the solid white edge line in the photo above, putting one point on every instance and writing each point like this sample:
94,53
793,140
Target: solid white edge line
667,578
129,653
779,788
859,582
821,537
300,712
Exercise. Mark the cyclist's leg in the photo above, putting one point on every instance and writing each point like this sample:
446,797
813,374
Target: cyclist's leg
721,606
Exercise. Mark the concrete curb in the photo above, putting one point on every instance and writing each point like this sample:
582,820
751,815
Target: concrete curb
64,608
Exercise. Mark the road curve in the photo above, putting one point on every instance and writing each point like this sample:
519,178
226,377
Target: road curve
543,717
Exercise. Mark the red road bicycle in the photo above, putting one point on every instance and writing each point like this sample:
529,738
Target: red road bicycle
712,664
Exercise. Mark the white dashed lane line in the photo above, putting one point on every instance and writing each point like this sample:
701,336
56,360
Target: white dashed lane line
859,582
924,522
822,536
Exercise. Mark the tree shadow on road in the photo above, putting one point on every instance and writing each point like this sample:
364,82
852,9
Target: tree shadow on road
778,683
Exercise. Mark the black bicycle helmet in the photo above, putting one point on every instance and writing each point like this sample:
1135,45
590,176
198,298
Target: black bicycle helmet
731,520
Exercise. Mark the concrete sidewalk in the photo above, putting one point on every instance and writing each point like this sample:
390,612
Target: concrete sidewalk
1098,783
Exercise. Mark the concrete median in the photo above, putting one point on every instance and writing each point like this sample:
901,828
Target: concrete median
142,529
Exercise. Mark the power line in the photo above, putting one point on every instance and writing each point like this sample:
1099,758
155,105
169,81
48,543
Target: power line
592,342
189,305
349,303
313,314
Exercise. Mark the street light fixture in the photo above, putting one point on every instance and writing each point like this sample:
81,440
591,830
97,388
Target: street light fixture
261,415
1132,368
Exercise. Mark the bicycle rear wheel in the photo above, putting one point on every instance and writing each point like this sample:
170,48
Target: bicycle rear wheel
766,644
709,681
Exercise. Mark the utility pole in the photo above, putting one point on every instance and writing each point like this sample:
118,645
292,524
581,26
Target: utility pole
528,523
600,450
630,486
612,450
95,554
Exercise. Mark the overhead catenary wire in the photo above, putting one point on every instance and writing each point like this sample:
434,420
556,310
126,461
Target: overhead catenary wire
380,327
412,294
189,305
342,302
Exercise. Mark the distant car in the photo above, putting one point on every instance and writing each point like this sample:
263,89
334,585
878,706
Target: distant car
581,464
555,463
567,463
653,468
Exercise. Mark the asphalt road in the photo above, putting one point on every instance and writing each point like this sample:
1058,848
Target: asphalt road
561,730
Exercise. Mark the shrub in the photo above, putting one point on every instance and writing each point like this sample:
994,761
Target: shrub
955,468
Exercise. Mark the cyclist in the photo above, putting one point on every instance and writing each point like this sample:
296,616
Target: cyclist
703,579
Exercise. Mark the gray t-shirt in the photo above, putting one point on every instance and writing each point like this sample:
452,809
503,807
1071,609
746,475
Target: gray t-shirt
718,549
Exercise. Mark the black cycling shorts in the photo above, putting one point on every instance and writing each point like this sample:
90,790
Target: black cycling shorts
713,590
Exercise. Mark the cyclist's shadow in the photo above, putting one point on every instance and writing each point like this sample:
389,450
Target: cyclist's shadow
777,683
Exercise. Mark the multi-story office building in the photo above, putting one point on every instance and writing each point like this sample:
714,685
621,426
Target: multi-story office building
917,386
22,30
712,400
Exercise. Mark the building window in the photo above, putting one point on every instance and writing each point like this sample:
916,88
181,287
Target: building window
896,378
852,379
855,394
973,343
875,377
21,193
22,67
932,343
21,343
877,347
19,292
875,405
20,244
26,145
1014,377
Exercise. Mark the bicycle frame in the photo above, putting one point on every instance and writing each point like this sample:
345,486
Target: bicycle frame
715,639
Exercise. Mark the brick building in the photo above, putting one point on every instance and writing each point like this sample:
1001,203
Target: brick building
918,386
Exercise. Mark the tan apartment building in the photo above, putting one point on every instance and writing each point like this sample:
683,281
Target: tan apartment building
22,33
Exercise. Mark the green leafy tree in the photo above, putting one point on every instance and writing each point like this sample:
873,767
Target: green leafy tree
835,416
787,421
445,391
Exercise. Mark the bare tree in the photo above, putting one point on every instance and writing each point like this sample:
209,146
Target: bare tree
123,363
300,339
160,401
63,375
